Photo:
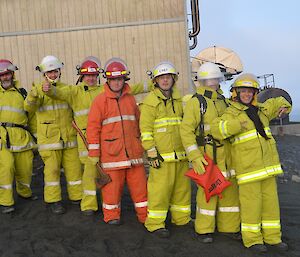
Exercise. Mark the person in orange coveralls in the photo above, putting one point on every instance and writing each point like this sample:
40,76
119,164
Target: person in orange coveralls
114,140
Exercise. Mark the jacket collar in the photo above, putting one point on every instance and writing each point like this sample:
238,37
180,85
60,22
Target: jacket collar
238,105
241,106
85,87
208,92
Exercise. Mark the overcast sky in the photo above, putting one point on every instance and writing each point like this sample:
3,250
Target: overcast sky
265,35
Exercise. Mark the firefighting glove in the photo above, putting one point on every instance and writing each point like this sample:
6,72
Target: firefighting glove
282,111
154,158
93,160
33,92
198,165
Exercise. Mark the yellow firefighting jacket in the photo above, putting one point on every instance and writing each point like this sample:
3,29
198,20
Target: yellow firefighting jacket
159,124
54,117
14,134
253,157
189,128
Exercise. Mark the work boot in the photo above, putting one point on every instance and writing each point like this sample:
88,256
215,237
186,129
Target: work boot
205,238
235,236
75,202
190,224
258,248
161,233
282,247
57,208
7,209
115,222
87,212
33,197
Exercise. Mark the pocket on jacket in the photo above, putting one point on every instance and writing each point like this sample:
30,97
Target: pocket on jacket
49,130
112,146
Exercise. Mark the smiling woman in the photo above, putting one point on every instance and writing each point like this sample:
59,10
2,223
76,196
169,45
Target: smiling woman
255,161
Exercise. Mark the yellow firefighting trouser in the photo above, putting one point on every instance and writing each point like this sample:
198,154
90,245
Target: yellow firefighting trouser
54,160
89,193
16,165
168,188
260,213
225,211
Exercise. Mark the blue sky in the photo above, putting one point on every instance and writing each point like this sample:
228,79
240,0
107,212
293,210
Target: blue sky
265,35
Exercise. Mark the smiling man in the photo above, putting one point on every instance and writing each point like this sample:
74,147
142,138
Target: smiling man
15,140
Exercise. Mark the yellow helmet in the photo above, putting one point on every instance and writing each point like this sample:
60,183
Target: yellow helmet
246,80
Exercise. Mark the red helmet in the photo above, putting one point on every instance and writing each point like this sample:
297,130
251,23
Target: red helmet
89,66
116,68
7,66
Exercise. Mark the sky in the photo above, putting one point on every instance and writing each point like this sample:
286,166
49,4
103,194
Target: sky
265,35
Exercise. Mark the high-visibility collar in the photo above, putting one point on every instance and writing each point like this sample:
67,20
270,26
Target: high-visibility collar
207,91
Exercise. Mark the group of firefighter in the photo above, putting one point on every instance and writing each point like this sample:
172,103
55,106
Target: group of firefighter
175,132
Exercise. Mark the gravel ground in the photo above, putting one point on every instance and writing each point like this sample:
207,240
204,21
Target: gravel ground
32,231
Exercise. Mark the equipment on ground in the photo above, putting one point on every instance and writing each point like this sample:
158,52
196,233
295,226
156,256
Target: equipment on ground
103,177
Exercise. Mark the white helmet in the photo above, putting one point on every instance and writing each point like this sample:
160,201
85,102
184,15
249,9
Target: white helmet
164,68
209,70
49,63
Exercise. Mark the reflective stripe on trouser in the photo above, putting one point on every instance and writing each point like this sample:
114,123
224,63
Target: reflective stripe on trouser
222,212
168,188
260,212
54,160
89,193
135,177
15,165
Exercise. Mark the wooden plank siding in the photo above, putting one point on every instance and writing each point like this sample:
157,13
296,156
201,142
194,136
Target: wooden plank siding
142,32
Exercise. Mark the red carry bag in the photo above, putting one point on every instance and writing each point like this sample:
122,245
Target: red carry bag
212,181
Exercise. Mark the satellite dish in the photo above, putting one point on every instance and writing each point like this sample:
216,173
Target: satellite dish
227,60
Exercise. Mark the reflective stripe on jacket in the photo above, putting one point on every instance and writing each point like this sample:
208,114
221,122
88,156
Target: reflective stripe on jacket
113,131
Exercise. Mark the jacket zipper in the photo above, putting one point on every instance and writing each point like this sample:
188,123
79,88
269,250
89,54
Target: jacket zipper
122,127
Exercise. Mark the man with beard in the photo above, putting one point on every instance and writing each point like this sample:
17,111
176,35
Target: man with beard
16,142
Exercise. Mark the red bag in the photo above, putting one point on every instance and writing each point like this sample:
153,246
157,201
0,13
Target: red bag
212,181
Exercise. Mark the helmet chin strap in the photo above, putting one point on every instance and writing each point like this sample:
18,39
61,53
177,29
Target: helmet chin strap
53,81
168,90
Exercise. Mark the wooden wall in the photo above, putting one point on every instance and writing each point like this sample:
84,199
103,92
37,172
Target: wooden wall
142,32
